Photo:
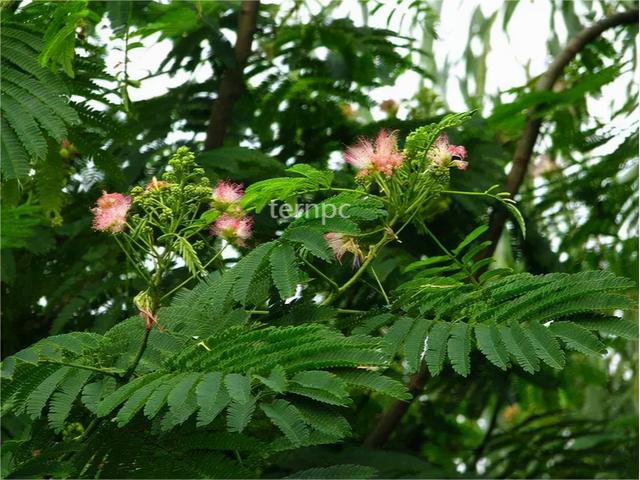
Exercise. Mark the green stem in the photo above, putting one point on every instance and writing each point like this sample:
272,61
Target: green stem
477,194
333,284
106,371
384,294
143,346
204,267
349,311
373,251
133,263
451,255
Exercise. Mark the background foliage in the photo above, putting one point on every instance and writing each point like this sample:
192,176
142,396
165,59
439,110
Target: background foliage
70,130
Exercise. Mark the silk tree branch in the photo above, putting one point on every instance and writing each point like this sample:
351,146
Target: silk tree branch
392,417
524,148
232,81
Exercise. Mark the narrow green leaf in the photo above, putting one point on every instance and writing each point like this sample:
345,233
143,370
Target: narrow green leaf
578,338
470,238
321,380
277,379
288,419
415,343
284,270
545,345
212,398
437,346
520,347
312,240
38,398
459,348
491,345
239,414
239,387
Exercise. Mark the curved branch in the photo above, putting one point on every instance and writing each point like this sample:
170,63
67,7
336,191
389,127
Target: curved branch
392,417
524,148
232,81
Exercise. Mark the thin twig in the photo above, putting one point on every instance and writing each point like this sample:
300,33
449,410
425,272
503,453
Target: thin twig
524,148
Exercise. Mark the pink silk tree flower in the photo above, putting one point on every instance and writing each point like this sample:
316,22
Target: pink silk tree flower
232,229
341,244
443,154
336,243
227,193
381,155
110,214
387,158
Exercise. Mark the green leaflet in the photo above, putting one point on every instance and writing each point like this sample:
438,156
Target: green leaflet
33,103
321,380
121,394
312,241
320,395
245,272
136,401
520,347
239,415
612,326
397,334
376,382
93,393
437,347
63,400
259,194
239,387
336,471
284,271
578,338
545,345
491,345
325,419
158,398
459,348
277,379
288,419
39,396
181,399
414,345
212,398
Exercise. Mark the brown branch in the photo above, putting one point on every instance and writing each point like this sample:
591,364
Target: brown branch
524,148
232,81
392,417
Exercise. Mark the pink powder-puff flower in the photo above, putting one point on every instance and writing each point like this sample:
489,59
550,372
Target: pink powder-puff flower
232,229
227,193
342,244
156,184
381,155
443,154
110,214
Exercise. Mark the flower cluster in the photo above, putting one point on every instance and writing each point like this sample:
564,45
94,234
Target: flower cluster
443,154
232,224
379,156
110,213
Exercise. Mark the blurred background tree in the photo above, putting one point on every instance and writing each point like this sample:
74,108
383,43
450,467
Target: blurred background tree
96,95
